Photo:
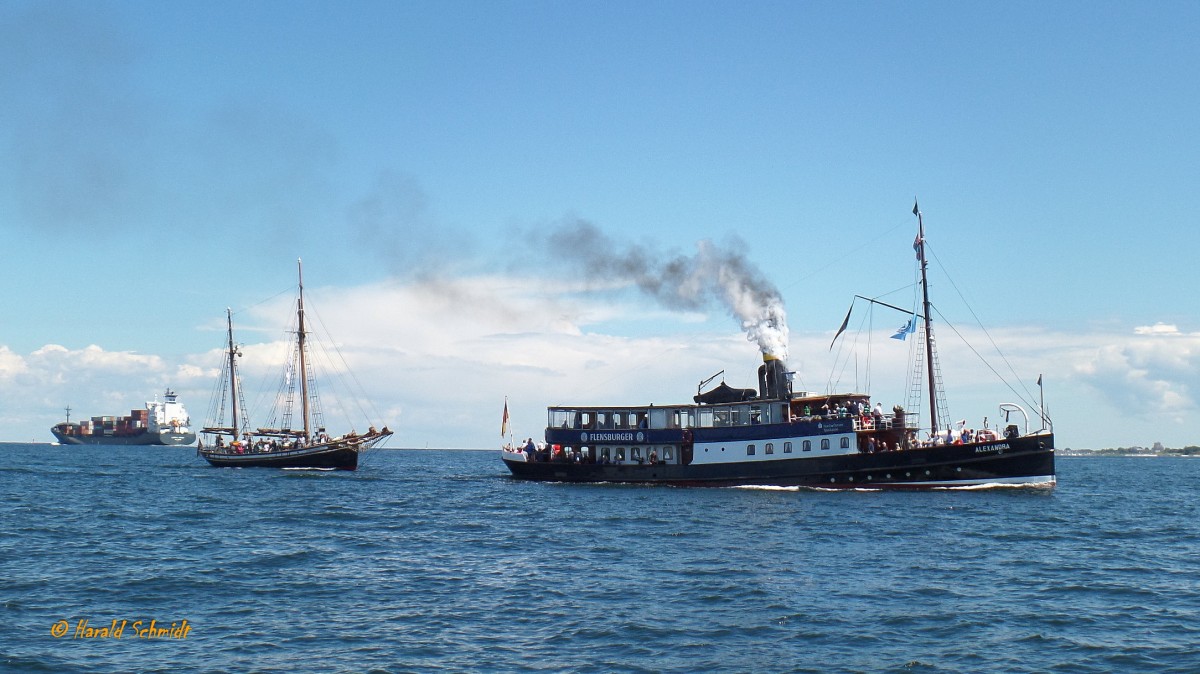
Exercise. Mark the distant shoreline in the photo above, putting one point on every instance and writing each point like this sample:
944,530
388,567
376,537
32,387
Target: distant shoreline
1131,452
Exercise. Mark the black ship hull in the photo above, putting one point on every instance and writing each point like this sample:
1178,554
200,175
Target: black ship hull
1026,460
151,439
335,457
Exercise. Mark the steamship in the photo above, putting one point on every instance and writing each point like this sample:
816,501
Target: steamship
774,436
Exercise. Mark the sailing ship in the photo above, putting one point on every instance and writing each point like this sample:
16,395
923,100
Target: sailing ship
774,436
162,422
279,445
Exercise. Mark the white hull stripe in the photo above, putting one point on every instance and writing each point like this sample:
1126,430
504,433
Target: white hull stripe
1047,480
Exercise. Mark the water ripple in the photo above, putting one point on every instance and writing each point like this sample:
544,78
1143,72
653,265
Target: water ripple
433,561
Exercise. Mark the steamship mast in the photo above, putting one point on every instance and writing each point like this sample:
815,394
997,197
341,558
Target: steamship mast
930,361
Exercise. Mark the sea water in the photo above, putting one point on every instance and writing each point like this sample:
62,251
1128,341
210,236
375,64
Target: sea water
437,560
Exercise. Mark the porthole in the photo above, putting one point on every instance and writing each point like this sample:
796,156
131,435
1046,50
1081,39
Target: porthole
926,473
907,474
889,476
959,469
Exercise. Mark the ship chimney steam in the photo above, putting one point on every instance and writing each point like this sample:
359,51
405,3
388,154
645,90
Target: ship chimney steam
773,383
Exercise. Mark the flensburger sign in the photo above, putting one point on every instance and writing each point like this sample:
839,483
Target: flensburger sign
612,436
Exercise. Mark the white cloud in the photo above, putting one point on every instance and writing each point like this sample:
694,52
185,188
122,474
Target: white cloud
1156,329
437,357
1150,373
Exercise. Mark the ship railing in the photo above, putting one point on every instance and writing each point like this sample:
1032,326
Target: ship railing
885,423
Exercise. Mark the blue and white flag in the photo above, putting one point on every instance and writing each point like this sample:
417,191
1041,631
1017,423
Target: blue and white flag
909,328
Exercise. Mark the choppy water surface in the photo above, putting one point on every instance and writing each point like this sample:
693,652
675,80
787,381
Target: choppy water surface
436,560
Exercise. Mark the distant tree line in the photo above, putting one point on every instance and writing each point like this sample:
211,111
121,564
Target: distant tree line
1158,449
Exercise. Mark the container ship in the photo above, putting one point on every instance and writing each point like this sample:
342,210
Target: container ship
163,422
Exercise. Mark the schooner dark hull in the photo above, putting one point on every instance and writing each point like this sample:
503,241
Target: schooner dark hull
1027,460
338,457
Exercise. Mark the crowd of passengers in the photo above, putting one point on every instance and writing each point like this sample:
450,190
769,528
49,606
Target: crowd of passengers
963,436
859,410
543,453
250,446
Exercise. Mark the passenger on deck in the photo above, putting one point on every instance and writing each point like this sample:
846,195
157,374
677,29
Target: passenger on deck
653,457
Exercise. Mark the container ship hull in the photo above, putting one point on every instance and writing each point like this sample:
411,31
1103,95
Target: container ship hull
138,439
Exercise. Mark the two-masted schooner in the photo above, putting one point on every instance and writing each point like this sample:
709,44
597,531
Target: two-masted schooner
306,446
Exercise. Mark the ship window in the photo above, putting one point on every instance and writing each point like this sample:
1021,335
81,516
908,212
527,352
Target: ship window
604,455
620,454
666,453
787,448
749,450
635,453
824,443
770,448
808,445
845,443
602,420
705,418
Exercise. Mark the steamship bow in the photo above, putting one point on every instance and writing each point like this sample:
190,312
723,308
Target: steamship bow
280,445
773,436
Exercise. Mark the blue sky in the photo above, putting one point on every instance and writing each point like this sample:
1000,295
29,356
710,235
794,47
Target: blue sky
165,160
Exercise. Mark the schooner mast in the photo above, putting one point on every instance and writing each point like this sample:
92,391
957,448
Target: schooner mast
300,338
233,381
920,246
